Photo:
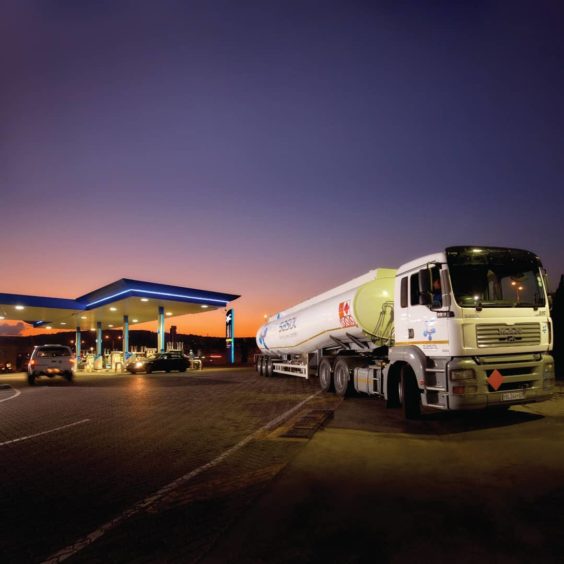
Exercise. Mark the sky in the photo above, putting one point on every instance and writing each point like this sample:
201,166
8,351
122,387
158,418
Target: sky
272,149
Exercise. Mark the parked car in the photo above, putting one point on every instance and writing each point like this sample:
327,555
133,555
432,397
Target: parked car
6,367
50,360
166,362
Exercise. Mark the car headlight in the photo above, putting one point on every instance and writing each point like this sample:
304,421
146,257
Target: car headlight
462,374
138,365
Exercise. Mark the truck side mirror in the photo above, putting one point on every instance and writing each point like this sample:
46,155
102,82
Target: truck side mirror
445,285
425,294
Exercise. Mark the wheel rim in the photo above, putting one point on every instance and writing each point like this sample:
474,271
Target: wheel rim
341,379
324,375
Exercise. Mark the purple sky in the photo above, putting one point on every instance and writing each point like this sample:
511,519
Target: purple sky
273,149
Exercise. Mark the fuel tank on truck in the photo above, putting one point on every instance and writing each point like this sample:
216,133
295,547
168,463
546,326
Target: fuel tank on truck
356,308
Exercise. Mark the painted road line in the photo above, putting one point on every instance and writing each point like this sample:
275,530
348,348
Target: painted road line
17,393
20,439
153,499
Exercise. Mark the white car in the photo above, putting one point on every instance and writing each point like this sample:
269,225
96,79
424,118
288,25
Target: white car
51,360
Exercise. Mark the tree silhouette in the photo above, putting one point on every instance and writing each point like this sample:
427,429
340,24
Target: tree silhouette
557,314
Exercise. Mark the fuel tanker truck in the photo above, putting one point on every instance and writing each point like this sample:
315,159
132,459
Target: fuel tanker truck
465,328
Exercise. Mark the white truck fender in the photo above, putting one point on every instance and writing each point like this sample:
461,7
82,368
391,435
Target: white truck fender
411,355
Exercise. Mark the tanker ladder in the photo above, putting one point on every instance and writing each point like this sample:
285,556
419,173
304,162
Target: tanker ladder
384,330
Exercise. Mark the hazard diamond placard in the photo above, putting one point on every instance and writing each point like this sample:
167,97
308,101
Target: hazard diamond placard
495,380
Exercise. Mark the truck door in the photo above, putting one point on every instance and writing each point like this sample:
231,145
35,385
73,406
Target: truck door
427,322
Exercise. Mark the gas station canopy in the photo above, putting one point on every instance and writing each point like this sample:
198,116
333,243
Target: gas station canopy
108,306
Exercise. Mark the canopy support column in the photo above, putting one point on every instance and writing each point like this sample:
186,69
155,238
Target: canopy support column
77,338
161,331
232,356
125,337
98,339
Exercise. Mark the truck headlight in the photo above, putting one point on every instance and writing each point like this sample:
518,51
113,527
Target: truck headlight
549,370
462,374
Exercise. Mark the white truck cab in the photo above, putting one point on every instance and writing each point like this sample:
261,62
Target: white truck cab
473,323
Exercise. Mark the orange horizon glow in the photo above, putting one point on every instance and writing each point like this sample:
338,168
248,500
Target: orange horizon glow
212,325
185,324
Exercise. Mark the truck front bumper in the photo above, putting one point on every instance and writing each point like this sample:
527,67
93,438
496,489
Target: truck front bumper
518,380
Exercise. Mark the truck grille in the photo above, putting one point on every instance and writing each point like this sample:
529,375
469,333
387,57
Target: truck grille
508,335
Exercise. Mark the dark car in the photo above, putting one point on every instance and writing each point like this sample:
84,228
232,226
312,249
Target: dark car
166,362
6,367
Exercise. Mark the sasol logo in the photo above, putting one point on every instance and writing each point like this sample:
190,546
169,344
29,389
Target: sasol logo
287,325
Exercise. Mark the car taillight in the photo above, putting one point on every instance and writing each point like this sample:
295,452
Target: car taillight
32,362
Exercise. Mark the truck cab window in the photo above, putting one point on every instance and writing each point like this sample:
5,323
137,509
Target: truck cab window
414,289
404,292
436,287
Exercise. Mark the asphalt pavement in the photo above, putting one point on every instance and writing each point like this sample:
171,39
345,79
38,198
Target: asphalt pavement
452,487
225,466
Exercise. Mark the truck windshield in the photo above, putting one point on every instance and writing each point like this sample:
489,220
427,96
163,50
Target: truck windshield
495,277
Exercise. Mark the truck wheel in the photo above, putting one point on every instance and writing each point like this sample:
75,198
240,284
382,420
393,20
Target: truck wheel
410,396
393,393
341,377
325,372
262,365
257,363
269,367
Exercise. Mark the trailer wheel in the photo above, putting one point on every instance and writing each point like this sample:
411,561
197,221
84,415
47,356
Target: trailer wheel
257,363
325,372
269,367
409,394
341,377
261,365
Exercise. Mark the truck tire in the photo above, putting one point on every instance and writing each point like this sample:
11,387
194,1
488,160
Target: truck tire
262,363
341,377
410,396
325,372
393,392
269,367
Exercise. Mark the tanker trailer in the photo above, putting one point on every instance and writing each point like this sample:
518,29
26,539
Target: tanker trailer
465,328
355,317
